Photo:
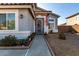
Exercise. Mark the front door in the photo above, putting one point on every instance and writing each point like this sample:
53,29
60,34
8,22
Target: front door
39,25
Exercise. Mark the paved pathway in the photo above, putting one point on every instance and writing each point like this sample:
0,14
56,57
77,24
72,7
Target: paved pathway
39,47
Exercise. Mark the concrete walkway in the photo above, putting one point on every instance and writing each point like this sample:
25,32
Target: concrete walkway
39,47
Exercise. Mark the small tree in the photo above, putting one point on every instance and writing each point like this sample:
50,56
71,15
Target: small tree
62,36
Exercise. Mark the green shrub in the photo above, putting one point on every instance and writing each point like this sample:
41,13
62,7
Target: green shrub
34,33
13,41
20,42
9,40
62,36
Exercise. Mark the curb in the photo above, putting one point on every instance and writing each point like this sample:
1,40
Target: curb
13,48
16,47
30,44
29,47
52,53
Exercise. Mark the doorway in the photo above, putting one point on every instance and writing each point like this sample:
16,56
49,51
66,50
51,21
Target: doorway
39,26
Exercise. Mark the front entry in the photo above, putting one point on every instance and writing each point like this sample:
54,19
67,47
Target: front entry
39,25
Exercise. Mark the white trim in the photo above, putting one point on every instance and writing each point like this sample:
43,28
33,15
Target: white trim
50,22
40,16
54,23
16,19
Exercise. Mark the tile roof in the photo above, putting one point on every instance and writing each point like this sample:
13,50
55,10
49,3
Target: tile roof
15,3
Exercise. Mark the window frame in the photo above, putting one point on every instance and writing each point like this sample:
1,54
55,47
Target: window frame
51,19
7,18
6,23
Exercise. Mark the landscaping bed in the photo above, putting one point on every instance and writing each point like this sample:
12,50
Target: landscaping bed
64,47
11,42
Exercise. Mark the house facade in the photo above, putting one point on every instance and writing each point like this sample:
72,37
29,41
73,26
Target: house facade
47,21
71,25
73,19
22,19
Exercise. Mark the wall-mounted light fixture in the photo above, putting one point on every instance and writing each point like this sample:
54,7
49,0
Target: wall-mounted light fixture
21,16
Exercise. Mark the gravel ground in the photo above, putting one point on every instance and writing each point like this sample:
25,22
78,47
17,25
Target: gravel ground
68,47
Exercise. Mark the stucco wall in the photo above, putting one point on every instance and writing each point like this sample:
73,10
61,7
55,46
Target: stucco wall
54,27
72,20
24,27
77,19
27,22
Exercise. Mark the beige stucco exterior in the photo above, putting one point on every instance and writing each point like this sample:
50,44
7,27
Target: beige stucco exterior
53,24
73,20
48,15
23,27
26,25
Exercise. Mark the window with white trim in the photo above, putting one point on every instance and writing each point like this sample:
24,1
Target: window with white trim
7,21
51,20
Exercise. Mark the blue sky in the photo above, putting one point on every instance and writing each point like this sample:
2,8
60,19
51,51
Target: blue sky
62,9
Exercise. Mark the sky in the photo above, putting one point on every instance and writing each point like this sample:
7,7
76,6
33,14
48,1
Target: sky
62,9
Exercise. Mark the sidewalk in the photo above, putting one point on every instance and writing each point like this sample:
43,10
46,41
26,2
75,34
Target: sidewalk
38,48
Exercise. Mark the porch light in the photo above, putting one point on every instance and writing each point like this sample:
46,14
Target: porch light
21,16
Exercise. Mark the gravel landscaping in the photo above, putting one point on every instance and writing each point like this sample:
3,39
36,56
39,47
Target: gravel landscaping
68,47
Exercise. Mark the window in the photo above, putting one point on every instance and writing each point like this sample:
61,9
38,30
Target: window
51,20
2,21
7,21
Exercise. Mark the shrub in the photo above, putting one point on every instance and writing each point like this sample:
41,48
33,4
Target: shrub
20,42
13,41
34,33
9,41
62,36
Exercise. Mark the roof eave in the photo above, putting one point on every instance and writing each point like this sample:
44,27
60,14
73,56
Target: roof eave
72,15
55,15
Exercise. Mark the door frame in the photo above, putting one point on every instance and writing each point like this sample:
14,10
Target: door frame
36,24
